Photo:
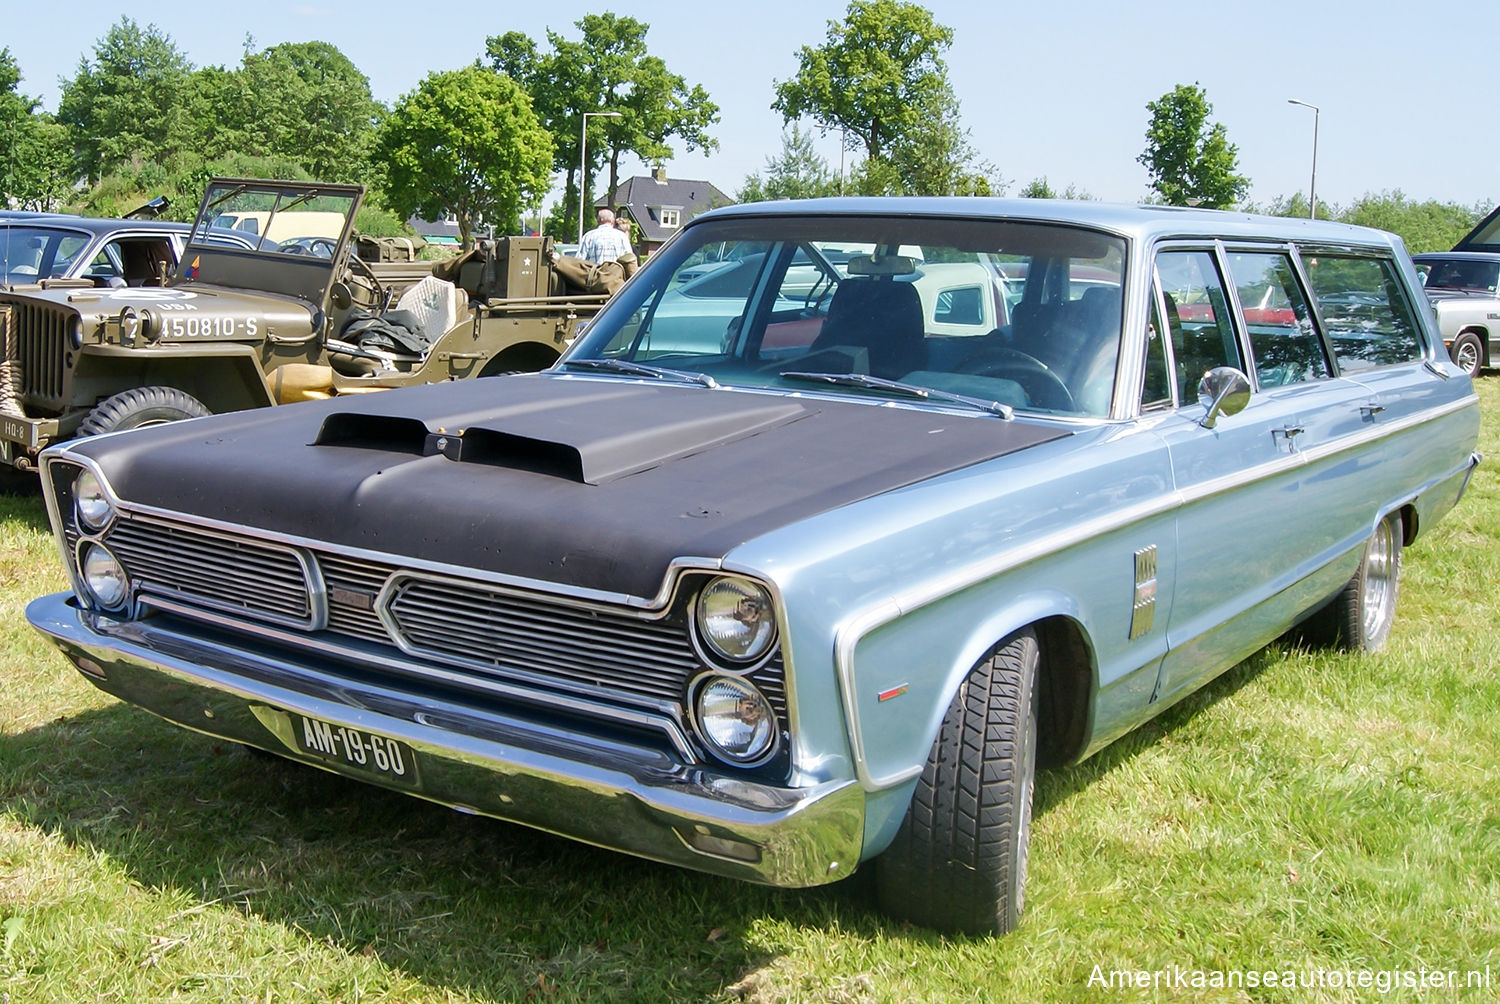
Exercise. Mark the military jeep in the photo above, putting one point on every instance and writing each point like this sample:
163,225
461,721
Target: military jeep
295,316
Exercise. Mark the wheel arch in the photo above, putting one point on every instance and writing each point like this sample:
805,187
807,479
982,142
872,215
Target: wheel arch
523,356
221,382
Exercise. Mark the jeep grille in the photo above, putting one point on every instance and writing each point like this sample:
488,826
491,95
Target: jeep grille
41,335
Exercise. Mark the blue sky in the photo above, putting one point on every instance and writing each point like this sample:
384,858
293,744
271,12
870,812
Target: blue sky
1055,89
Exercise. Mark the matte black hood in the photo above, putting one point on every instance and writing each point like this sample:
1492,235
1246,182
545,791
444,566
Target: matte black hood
597,483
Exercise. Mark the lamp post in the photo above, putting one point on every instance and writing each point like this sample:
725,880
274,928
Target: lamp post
1312,192
583,162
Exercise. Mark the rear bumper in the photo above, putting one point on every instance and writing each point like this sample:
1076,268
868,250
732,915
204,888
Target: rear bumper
603,792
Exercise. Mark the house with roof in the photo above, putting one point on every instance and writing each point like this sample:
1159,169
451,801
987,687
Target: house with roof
660,205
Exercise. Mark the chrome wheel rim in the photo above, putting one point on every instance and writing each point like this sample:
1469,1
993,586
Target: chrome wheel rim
1380,579
1468,358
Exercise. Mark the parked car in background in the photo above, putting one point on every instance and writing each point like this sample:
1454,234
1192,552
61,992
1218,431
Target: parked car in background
1464,287
112,253
781,611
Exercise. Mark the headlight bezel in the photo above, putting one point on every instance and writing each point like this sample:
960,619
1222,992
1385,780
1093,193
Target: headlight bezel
112,602
764,645
769,718
85,524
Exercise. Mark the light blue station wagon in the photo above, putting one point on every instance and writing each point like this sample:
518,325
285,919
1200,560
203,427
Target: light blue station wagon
912,497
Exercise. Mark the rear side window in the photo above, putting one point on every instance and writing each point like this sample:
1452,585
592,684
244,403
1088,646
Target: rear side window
1368,319
1287,349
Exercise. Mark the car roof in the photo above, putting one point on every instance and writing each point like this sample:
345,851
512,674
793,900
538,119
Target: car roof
1141,222
1489,256
95,225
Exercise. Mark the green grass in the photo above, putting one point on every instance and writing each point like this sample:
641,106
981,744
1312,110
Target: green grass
1308,810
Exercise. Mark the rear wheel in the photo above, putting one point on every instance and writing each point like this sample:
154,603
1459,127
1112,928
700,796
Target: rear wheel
958,862
1360,616
139,407
1468,353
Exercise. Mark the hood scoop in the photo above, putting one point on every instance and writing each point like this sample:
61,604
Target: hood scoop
558,444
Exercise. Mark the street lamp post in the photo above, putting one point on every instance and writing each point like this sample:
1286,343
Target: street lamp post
1312,192
583,162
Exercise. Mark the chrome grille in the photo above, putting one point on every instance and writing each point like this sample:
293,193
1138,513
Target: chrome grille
483,627
41,333
345,576
222,572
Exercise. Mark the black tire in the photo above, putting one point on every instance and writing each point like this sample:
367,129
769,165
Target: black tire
1467,351
958,862
1361,615
139,407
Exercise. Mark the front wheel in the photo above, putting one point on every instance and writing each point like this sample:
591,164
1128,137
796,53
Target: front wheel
958,862
1468,353
139,407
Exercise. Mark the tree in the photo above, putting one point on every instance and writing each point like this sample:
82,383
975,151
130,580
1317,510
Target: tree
302,100
1040,188
798,172
880,79
467,143
135,100
1191,163
608,69
34,145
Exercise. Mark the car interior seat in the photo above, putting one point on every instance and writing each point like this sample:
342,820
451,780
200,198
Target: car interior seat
882,316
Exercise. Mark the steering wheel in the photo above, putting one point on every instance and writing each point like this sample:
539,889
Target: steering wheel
1042,386
360,267
318,247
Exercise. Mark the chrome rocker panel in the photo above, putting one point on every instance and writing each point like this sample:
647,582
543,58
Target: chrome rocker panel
611,794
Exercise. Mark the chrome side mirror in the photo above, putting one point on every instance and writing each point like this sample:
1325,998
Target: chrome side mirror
1225,391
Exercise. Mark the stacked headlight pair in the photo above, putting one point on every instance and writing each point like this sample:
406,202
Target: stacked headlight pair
102,575
734,622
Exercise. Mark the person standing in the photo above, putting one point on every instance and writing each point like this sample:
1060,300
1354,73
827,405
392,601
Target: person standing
605,242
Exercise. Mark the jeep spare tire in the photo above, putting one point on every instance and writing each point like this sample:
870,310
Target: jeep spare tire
140,407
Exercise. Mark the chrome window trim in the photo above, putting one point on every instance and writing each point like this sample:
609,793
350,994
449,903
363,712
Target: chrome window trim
853,629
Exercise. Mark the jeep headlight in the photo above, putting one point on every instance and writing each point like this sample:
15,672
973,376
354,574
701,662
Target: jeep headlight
735,619
734,719
103,577
130,325
91,503
75,332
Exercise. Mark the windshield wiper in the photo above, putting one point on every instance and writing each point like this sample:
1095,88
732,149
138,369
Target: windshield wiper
907,389
641,369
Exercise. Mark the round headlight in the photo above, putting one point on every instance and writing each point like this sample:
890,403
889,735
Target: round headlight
75,332
130,324
90,502
735,619
103,577
735,719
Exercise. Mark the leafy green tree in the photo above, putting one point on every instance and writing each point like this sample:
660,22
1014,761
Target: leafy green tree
467,143
608,69
798,172
1423,226
1191,163
302,100
1041,188
33,145
134,100
879,78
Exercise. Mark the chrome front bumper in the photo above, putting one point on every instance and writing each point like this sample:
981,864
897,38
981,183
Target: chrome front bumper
612,794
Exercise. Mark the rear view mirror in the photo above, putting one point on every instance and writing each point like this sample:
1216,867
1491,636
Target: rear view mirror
1225,391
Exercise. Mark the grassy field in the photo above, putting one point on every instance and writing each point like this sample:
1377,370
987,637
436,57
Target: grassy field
1309,811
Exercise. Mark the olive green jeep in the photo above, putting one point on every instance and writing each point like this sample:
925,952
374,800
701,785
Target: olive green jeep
296,316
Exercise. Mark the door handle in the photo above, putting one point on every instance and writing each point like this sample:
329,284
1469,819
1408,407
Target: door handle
1371,410
1291,431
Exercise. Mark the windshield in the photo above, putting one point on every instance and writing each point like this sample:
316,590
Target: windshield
28,254
1460,273
1023,314
296,220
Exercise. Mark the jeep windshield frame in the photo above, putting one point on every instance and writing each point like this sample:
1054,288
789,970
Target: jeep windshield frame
300,231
